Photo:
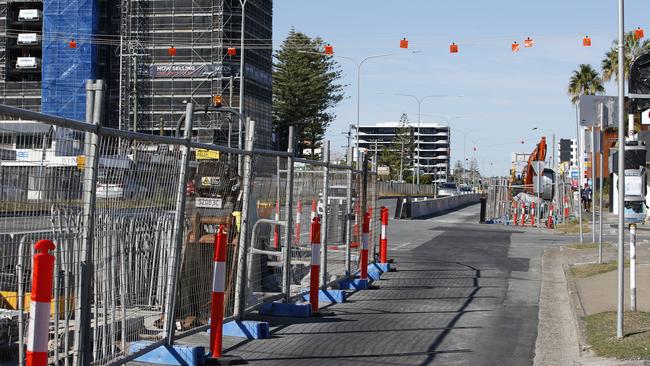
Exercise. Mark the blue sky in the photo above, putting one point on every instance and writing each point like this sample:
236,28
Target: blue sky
505,94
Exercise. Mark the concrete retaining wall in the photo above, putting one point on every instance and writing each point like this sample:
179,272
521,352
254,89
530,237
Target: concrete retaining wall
437,206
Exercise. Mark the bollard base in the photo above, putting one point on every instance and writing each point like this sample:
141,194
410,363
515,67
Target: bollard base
335,296
169,355
225,360
248,329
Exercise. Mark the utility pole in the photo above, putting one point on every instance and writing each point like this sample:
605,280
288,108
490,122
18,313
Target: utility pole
621,167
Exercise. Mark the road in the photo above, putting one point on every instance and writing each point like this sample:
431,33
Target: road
463,294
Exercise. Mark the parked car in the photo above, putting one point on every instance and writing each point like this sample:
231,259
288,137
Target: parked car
447,190
465,190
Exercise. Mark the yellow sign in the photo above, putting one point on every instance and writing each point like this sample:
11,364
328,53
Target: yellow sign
203,154
81,162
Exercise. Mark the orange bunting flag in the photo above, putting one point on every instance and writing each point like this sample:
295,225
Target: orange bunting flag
453,48
171,51
586,42
232,51
404,43
329,50
528,42
638,33
72,44
515,47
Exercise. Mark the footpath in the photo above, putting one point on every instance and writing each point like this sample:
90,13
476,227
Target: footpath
574,288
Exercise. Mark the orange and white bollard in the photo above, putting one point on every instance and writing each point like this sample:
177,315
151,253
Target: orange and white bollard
296,232
383,240
532,214
276,229
523,214
515,213
39,312
314,208
566,208
218,288
355,228
315,264
365,237
550,216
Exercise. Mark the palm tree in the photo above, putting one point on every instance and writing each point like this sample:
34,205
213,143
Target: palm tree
585,81
633,49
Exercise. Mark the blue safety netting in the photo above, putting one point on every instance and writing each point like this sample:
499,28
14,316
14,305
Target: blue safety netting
66,69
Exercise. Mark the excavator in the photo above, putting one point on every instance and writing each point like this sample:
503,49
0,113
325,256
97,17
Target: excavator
539,154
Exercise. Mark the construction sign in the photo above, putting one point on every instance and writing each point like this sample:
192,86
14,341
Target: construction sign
203,154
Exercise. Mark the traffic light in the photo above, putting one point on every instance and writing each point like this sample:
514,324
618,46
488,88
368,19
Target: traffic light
217,100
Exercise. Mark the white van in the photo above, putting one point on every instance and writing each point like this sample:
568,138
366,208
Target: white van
29,15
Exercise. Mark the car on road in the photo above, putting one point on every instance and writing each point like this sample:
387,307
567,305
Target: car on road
448,189
465,190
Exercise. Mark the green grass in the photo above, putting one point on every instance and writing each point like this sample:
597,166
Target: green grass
592,269
572,228
582,246
601,335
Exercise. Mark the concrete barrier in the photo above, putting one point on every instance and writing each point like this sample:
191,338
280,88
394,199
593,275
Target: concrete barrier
427,208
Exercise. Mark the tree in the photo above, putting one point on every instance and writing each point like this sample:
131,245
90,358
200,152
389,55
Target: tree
459,171
584,81
305,89
633,48
399,156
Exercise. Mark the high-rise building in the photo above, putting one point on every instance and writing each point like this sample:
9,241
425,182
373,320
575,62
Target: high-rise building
432,139
155,55
567,151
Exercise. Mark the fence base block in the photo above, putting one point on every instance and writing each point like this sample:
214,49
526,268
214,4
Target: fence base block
336,296
286,310
170,355
246,329
225,360
382,267
355,284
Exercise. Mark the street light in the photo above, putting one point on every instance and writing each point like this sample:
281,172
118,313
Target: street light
240,137
419,101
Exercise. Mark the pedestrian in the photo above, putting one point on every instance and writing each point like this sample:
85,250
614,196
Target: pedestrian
586,197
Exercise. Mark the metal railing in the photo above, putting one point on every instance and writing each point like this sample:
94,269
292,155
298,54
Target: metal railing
134,217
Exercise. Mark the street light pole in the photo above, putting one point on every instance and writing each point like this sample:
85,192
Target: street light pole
621,166
240,138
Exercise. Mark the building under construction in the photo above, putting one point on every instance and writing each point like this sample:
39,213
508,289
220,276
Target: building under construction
156,55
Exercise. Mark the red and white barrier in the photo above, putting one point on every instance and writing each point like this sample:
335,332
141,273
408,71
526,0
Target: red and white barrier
566,207
550,216
523,214
315,264
383,240
218,288
355,228
515,214
314,208
39,312
276,229
532,214
365,237
296,238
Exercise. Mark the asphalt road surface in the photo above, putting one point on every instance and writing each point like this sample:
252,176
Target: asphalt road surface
463,294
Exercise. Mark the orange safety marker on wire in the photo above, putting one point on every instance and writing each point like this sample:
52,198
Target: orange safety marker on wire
404,43
586,42
39,312
329,50
72,44
515,47
364,247
296,238
232,51
315,264
453,48
276,228
218,288
171,51
528,42
638,33
383,240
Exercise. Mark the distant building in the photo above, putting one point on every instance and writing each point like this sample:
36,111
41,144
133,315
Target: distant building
433,152
567,151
